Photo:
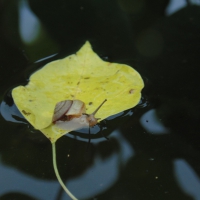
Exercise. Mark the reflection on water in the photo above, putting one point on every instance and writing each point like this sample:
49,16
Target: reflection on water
29,25
152,124
16,181
46,58
187,178
175,5
11,113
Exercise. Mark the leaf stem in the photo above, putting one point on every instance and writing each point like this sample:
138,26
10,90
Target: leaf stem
57,173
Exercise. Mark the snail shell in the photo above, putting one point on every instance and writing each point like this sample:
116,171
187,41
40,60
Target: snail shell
70,115
68,108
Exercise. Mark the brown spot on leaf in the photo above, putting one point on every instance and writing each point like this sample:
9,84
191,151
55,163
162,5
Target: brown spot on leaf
78,83
87,78
90,103
131,91
26,113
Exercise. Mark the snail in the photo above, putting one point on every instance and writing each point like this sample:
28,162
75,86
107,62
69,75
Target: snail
70,115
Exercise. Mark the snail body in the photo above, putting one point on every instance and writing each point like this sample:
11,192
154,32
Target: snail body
70,115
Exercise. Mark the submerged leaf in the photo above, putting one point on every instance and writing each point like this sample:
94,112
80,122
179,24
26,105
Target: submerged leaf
82,76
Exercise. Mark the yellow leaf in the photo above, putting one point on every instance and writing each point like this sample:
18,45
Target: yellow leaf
83,76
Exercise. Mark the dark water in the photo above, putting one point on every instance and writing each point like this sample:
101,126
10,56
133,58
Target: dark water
153,151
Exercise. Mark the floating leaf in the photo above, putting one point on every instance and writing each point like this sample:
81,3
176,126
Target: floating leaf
82,76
